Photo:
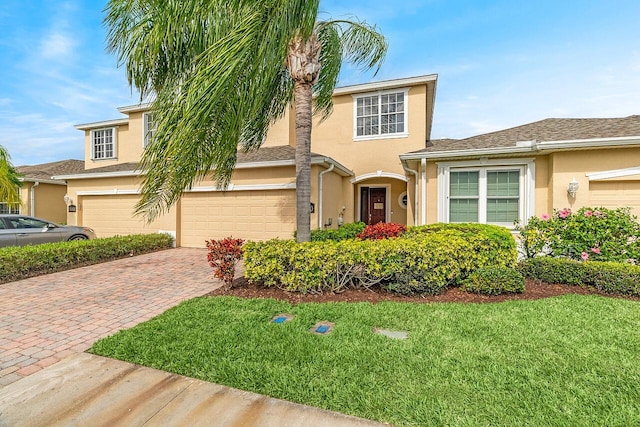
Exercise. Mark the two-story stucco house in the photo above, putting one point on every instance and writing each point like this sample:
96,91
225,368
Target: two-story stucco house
356,170
372,160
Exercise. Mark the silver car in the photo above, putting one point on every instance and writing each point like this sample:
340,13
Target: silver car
21,230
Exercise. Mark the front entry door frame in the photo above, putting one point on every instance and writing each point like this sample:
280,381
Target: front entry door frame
387,188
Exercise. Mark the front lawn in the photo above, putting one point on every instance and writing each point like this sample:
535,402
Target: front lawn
570,360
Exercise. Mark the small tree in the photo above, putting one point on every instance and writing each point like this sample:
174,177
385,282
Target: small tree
223,256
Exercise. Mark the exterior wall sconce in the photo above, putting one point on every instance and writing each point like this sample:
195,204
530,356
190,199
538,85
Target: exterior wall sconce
573,187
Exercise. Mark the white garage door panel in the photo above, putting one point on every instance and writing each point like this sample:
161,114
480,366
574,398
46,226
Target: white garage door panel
113,215
252,215
615,194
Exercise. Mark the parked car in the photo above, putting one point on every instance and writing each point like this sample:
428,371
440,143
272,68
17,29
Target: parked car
21,230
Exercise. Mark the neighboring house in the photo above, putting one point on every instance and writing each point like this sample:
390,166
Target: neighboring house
356,170
41,195
372,160
513,174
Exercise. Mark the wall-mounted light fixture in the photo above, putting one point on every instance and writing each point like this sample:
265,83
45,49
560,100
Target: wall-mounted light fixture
573,187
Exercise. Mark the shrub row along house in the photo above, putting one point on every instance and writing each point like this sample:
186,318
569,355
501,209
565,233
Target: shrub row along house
372,160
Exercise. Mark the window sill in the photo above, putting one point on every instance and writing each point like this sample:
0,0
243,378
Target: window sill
386,136
103,159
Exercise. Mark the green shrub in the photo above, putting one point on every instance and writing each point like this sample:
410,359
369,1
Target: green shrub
344,232
21,262
609,277
491,240
494,281
554,270
595,234
417,263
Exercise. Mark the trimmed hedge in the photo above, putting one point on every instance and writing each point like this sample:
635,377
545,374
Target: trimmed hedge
609,277
27,261
425,261
344,232
494,281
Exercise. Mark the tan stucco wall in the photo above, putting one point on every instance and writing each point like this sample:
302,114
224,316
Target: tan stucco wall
570,164
334,137
332,200
282,132
432,193
543,178
49,201
24,198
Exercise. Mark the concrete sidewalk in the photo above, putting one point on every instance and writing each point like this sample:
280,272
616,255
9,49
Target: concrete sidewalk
88,390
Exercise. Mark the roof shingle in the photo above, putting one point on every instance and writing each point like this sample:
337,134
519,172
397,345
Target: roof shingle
47,170
543,130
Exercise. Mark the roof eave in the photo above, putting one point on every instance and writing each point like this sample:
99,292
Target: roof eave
531,146
317,160
385,84
145,106
102,124
467,153
41,180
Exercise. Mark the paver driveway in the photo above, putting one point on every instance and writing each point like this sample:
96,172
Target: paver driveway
46,318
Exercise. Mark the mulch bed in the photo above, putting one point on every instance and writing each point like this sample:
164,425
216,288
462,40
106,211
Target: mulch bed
533,290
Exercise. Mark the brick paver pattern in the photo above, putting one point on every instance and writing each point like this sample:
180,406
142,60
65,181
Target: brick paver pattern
45,319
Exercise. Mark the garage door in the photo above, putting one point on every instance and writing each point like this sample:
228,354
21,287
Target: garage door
251,215
111,215
615,194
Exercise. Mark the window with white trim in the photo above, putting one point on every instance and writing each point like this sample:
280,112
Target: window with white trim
381,115
149,127
492,194
103,143
6,208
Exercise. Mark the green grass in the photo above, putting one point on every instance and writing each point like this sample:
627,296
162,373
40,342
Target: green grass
570,360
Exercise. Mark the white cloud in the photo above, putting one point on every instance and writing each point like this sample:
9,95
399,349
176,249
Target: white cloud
33,138
57,45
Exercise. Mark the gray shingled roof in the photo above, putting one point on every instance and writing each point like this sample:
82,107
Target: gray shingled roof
265,154
47,170
543,130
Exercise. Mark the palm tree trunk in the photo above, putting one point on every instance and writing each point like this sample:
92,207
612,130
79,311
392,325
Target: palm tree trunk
303,103
303,62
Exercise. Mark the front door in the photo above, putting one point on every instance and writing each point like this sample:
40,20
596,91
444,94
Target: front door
373,205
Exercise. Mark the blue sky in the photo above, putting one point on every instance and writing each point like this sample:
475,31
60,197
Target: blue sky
500,64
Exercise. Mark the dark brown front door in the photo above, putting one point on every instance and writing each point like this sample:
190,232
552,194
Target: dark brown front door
373,205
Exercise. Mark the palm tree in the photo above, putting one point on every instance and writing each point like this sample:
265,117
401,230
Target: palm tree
9,180
219,73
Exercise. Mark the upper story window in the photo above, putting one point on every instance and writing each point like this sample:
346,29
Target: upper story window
149,127
381,115
103,143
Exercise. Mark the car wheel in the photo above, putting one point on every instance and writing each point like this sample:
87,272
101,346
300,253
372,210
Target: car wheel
78,237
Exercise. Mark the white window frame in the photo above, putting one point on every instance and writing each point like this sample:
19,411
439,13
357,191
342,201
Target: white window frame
10,209
526,168
114,133
147,133
403,134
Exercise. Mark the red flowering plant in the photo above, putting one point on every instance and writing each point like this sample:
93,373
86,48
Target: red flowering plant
223,256
382,230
